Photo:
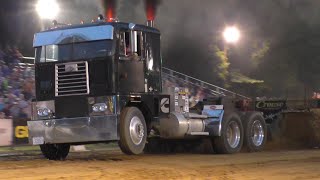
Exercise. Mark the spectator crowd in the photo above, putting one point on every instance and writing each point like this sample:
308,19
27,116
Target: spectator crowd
16,85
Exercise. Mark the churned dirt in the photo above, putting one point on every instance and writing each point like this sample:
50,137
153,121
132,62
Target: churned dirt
112,164
301,129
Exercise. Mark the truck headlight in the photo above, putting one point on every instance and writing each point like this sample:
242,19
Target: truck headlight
99,107
102,105
95,108
44,112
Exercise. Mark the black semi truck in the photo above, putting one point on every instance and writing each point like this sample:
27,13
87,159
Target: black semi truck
101,82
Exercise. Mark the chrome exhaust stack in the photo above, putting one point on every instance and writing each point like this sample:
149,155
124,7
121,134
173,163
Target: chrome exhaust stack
150,23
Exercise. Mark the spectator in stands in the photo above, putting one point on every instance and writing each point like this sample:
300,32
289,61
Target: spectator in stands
22,103
6,110
27,110
28,89
11,96
6,71
4,84
27,73
15,110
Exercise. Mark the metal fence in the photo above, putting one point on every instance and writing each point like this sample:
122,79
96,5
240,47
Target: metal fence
169,74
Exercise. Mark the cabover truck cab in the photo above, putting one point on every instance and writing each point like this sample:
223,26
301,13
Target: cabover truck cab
101,82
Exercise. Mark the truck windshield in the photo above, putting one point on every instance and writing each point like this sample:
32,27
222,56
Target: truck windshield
73,52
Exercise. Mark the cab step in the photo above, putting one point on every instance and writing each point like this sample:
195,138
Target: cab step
199,133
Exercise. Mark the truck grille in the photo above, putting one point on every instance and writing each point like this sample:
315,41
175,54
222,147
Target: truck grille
71,79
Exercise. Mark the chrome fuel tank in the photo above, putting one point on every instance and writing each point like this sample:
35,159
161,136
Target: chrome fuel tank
182,125
177,126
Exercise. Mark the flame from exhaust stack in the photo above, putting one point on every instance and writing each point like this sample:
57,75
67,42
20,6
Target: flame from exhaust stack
109,7
151,8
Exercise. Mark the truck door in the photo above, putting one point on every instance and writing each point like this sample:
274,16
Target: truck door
153,62
131,62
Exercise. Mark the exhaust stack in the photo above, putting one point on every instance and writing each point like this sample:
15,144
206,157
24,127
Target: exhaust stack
109,7
151,8
150,23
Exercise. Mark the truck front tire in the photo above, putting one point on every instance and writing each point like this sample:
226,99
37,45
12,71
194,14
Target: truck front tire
55,151
255,131
231,138
133,131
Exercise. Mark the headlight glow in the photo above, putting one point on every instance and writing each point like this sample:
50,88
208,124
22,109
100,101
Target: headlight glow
95,108
44,112
103,107
40,112
100,107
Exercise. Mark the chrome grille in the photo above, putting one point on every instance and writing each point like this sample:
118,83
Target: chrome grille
71,79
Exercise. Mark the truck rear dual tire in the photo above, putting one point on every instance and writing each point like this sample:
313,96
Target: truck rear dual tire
255,135
231,138
133,131
55,151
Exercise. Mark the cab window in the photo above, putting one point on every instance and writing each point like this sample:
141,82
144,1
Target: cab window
131,45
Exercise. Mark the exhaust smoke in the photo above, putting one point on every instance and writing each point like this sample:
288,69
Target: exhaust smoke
151,9
109,7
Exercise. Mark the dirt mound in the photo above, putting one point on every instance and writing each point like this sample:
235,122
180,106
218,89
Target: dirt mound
300,130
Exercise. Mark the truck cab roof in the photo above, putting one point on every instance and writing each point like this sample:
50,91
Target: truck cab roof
64,34
116,25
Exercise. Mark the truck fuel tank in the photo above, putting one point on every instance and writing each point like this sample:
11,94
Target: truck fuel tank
178,126
182,125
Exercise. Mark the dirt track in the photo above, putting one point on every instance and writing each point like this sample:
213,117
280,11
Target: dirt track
302,164
112,164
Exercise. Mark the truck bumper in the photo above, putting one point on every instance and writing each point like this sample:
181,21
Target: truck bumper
73,130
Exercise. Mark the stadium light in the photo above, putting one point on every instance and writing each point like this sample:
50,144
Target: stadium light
231,34
47,9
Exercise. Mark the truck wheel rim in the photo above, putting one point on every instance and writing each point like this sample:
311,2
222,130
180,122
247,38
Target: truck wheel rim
257,133
233,134
136,130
